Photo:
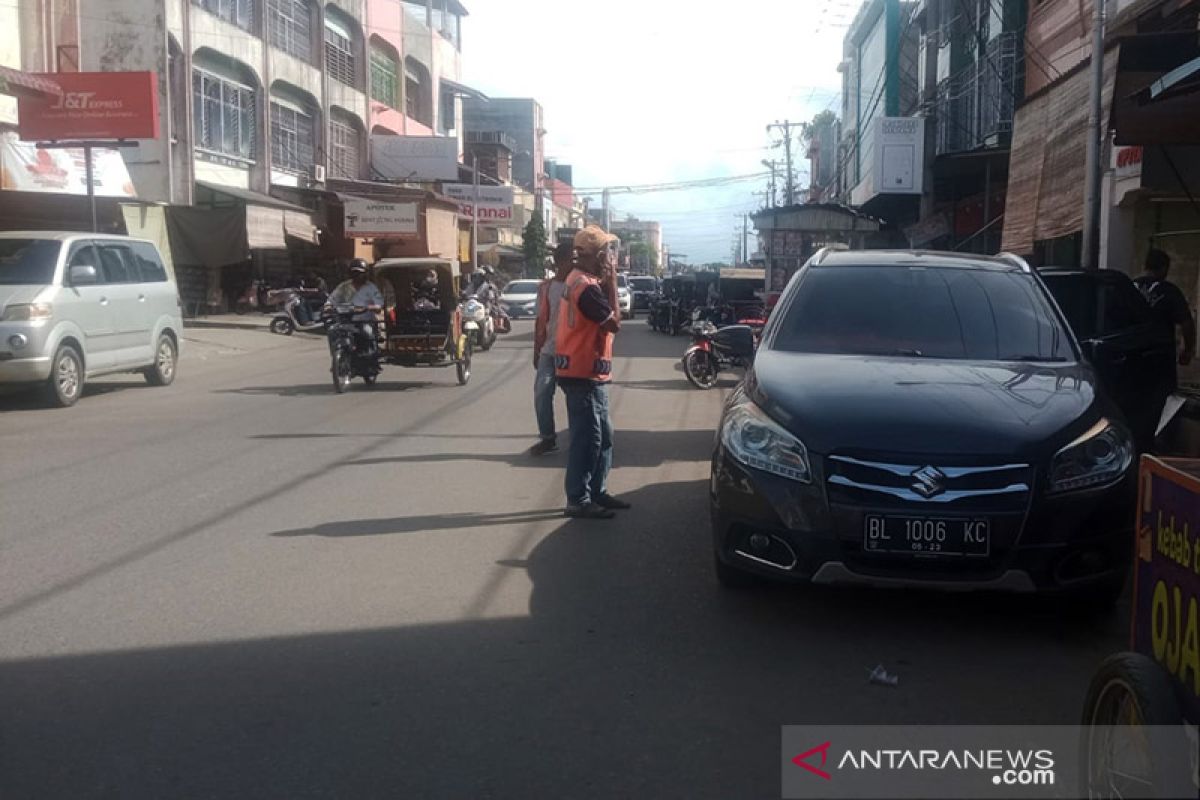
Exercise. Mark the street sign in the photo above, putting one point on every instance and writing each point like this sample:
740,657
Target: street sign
93,105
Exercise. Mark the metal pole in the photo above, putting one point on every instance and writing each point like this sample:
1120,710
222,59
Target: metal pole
607,211
91,186
787,148
1091,208
475,216
745,233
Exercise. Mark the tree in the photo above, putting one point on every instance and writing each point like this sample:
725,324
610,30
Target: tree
535,247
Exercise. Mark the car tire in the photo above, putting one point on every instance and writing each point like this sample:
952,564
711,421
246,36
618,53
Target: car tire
730,577
65,384
1136,685
166,361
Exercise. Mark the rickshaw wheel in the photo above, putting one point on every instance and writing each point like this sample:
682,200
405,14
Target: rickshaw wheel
1123,752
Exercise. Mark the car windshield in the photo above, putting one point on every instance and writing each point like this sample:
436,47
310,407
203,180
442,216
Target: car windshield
522,287
28,261
643,284
969,314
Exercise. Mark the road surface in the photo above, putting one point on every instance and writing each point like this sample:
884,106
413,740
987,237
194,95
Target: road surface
246,586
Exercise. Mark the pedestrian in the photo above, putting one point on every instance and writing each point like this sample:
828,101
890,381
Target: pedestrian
1168,302
549,300
583,363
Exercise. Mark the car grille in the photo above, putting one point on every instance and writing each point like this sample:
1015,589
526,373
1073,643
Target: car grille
913,485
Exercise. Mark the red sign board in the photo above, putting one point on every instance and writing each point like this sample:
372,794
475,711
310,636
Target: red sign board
93,105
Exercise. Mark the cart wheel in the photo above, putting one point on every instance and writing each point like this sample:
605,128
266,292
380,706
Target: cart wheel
1133,742
463,367
342,371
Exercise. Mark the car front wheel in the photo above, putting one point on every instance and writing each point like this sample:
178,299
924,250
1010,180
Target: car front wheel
65,384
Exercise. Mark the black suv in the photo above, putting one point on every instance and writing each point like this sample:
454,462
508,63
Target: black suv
931,419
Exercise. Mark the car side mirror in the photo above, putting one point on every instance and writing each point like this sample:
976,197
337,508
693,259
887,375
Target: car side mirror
83,275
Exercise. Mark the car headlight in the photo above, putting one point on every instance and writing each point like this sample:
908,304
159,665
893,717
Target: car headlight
27,312
1100,456
759,442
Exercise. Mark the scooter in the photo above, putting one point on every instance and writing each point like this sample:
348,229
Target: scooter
478,322
353,352
295,312
715,350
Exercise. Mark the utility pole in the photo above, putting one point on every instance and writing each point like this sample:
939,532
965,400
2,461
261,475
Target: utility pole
745,233
772,165
1091,204
607,210
789,188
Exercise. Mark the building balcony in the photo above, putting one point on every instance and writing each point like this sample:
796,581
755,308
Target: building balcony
974,108
497,138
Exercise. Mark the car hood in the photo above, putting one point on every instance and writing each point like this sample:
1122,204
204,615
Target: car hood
849,404
18,294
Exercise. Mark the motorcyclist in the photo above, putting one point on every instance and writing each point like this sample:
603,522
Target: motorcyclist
360,292
425,292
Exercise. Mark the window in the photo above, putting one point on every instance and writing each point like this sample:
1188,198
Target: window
289,24
28,261
418,92
339,54
448,117
385,78
149,264
115,264
343,149
224,116
235,12
292,147
973,314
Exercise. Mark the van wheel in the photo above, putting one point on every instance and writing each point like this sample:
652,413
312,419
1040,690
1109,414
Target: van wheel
166,356
65,384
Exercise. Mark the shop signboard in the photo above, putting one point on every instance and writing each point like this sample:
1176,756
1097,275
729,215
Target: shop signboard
366,218
92,106
25,167
495,203
415,158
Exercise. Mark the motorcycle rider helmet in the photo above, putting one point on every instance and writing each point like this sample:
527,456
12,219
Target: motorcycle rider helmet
430,280
359,266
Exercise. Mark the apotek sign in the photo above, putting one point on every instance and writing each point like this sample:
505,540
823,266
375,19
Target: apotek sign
371,218
93,105
495,203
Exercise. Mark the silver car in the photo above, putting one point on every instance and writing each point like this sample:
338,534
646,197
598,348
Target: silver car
75,305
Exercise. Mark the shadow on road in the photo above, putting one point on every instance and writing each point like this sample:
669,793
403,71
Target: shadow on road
420,524
467,436
22,398
632,675
317,389
631,449
678,384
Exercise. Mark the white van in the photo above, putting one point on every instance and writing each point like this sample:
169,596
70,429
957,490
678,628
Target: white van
77,305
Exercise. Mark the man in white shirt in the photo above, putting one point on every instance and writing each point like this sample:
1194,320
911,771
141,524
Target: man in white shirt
360,292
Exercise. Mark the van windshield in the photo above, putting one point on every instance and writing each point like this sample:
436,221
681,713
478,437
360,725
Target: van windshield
28,261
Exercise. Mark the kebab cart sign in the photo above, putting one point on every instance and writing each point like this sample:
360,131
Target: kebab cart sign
1166,617
372,218
495,203
93,106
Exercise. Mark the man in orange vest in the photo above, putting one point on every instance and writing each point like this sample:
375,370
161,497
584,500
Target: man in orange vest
587,321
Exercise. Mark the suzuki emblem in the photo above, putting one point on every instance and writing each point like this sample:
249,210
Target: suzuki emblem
929,481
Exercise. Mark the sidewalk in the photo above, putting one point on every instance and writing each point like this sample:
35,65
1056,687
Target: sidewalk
246,322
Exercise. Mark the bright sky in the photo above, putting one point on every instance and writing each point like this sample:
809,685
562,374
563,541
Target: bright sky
653,91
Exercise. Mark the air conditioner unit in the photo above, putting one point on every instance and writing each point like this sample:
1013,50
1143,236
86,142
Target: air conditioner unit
318,173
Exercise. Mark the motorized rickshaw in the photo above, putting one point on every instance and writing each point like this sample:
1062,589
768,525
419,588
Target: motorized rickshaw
422,322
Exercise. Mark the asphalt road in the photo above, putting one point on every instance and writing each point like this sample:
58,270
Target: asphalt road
246,586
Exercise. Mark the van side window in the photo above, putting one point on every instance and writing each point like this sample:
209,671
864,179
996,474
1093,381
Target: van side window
115,264
149,266
82,255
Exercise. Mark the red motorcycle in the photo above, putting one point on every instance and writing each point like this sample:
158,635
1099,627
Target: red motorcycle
715,350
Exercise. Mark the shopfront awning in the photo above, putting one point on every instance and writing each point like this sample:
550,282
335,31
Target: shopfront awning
1157,96
462,90
18,83
1048,164
269,220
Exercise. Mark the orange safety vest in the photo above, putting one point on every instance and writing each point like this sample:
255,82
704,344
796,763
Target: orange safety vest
582,348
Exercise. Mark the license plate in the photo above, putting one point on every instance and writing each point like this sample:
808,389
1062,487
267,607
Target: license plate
927,536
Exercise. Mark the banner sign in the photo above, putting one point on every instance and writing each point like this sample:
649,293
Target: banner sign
93,105
1166,610
495,202
373,218
25,167
415,158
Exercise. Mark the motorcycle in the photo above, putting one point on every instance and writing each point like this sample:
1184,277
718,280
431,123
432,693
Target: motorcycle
715,350
478,322
295,312
352,347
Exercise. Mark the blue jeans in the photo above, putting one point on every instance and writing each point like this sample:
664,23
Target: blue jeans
590,456
543,398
